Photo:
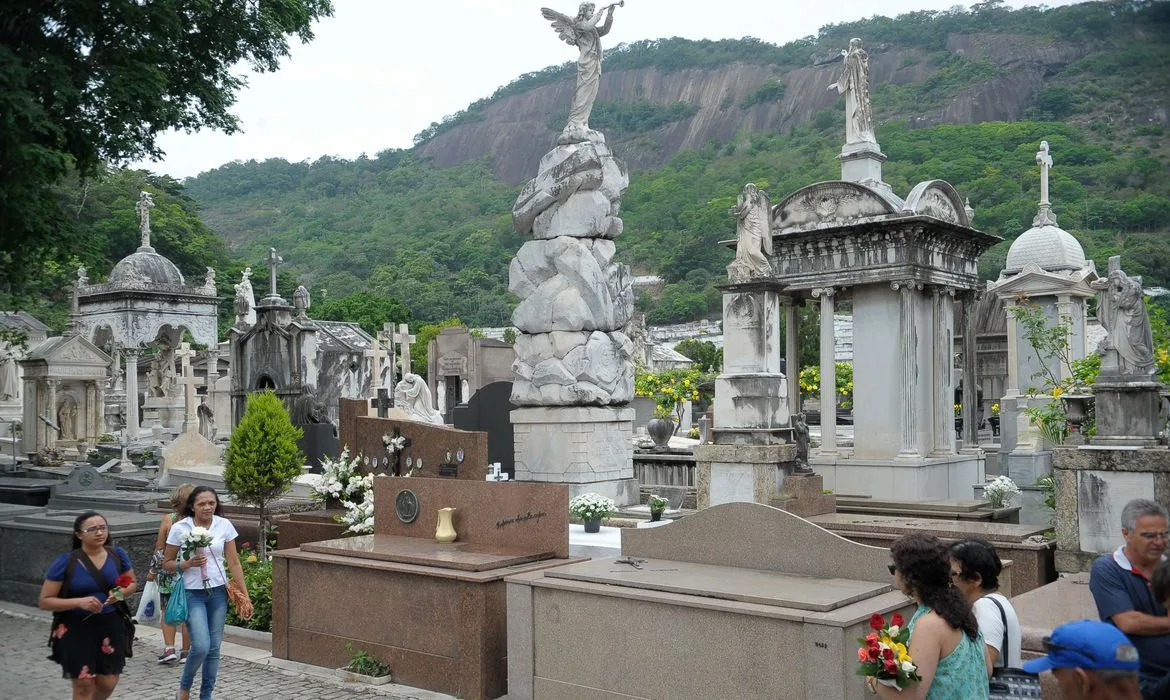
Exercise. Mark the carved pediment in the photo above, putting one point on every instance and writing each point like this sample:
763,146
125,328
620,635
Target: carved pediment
939,199
825,204
71,350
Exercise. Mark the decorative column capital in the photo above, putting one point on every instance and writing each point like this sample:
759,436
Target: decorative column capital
52,383
822,292
905,285
130,351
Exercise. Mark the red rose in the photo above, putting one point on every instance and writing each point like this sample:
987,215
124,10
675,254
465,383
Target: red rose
877,622
888,654
872,638
873,653
124,580
891,668
898,620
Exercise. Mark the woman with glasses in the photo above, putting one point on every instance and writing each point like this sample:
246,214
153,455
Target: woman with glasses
944,637
975,569
82,587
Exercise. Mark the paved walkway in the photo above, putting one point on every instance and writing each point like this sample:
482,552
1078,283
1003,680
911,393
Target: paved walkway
244,672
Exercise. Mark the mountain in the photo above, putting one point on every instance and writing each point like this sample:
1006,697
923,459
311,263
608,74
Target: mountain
962,95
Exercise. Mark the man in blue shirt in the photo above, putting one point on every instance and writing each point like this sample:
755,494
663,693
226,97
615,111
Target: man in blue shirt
1120,583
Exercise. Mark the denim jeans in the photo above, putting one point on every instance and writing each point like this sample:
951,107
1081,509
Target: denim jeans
206,615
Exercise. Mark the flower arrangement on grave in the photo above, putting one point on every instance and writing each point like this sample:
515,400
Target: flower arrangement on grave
395,445
995,410
884,653
358,517
591,506
657,506
198,538
340,479
958,410
1000,491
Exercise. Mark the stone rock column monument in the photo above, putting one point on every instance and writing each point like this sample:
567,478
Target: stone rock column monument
574,369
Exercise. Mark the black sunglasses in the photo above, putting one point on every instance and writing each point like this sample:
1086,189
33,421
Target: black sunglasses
892,568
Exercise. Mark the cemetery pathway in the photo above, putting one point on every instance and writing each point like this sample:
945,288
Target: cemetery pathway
244,672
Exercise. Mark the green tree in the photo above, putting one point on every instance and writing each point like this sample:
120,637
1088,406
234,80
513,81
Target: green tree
707,357
87,83
370,311
263,458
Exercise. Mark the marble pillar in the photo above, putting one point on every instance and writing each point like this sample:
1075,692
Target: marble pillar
792,354
943,442
828,372
908,444
51,435
970,388
131,392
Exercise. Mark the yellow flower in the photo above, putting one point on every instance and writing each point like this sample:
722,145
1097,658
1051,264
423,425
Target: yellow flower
1056,392
252,559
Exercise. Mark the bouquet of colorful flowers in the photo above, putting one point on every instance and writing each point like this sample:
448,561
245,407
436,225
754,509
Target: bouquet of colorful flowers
884,655
199,538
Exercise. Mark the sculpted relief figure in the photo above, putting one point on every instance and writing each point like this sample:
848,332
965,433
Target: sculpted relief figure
67,419
854,84
245,299
753,234
414,397
206,419
161,376
1122,312
582,31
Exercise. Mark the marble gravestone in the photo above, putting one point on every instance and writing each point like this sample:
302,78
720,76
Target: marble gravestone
436,613
574,370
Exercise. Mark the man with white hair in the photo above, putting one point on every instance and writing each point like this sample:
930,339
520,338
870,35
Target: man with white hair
1120,583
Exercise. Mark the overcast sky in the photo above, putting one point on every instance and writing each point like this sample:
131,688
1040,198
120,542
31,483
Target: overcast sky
380,71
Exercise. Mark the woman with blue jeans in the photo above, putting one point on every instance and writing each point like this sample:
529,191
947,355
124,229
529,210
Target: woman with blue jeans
205,581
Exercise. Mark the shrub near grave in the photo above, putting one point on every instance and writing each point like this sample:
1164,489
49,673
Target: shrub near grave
258,579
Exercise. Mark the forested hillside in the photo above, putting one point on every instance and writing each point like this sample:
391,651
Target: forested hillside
965,96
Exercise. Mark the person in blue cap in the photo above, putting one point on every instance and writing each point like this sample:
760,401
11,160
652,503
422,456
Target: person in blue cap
1091,660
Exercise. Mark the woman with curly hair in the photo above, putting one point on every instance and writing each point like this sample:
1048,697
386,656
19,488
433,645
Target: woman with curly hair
945,642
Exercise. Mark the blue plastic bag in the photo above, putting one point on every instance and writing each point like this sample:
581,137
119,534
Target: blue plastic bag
177,606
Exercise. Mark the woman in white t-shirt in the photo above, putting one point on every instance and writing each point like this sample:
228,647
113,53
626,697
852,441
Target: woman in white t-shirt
975,569
205,580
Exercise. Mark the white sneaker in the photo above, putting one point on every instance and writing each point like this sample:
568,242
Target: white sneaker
167,656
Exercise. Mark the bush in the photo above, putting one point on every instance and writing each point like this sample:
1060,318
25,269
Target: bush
361,662
258,579
263,458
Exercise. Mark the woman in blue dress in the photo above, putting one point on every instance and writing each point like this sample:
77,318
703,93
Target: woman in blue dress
945,643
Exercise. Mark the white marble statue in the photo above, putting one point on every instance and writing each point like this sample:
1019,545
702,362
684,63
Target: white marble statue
145,204
582,31
82,276
753,234
854,84
161,376
413,396
245,299
67,419
301,300
206,419
209,279
1122,312
9,381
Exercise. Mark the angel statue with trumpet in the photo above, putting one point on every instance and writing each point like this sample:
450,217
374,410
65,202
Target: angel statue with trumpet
583,32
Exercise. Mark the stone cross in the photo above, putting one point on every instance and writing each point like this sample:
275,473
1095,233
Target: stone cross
274,261
145,204
403,338
377,353
191,420
384,402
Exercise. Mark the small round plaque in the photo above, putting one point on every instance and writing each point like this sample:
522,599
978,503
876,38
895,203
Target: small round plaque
406,506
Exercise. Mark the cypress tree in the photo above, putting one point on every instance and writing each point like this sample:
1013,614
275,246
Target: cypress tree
263,459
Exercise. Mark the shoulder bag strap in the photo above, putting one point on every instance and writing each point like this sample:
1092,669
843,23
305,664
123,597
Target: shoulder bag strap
1002,616
69,566
100,578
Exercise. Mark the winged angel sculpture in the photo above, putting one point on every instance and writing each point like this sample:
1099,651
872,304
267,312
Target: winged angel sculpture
582,31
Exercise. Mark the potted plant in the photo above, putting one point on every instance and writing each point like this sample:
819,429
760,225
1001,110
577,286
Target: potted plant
661,426
657,506
670,389
363,668
590,508
994,419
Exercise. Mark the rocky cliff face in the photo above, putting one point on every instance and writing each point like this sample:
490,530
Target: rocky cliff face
515,131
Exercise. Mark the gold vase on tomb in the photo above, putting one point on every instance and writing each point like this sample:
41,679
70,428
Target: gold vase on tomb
445,530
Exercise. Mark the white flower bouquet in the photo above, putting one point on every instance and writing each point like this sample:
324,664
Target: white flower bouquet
359,515
1000,491
340,479
591,506
199,538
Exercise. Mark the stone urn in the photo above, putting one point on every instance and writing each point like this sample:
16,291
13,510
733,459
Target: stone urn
445,530
1076,412
660,431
